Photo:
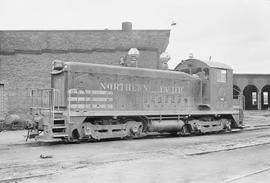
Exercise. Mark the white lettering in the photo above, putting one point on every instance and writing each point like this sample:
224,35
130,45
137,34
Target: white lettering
129,87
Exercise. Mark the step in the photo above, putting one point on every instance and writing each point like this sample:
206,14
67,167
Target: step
40,108
59,119
59,127
59,122
58,112
57,135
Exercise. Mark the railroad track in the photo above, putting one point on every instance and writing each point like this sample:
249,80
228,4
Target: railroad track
19,178
257,127
24,172
234,179
15,179
227,149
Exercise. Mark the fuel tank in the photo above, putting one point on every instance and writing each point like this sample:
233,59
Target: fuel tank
165,125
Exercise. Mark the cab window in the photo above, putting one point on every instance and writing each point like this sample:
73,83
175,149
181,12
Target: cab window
221,75
185,71
206,71
202,73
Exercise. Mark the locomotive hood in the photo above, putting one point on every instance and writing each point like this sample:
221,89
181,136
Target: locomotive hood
120,70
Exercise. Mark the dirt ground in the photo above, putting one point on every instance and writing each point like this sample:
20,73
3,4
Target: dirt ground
206,158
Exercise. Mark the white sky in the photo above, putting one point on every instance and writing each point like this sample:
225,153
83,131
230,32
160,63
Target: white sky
236,32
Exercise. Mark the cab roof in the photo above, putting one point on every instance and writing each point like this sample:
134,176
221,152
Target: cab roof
201,63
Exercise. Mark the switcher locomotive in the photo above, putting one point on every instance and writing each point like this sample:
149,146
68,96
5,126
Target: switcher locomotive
96,101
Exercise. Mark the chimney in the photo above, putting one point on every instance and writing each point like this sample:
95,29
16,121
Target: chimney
126,26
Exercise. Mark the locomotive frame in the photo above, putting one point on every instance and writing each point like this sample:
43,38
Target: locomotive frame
94,101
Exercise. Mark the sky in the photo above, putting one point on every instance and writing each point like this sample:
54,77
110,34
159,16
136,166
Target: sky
235,32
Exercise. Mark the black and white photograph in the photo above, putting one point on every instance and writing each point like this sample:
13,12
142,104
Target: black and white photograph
134,91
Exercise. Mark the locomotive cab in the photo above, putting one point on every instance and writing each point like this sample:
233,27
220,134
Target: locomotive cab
216,83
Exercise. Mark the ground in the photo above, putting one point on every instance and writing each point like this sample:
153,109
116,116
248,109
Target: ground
241,156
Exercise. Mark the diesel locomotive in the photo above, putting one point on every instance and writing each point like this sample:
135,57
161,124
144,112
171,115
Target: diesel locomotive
97,101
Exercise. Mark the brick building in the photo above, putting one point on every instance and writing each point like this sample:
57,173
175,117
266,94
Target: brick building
26,56
255,88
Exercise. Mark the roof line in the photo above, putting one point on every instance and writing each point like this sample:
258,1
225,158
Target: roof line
59,51
83,30
240,74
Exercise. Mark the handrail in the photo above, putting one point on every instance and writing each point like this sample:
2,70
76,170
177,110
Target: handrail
41,97
53,99
240,101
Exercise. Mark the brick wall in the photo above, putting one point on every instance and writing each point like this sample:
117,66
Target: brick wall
28,70
26,56
72,41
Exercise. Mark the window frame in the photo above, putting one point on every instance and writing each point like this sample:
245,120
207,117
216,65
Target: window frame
254,98
265,98
221,75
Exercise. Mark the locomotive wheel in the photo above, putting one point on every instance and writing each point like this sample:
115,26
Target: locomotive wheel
184,131
139,132
227,125
135,130
228,128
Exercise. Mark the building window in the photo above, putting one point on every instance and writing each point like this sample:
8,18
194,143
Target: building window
265,98
221,75
254,98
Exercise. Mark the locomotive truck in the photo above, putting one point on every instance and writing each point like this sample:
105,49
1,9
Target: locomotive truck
97,101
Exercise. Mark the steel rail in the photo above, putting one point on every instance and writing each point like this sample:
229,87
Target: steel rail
247,175
15,179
